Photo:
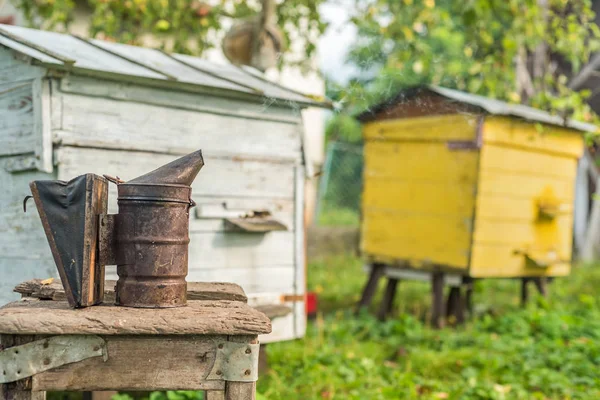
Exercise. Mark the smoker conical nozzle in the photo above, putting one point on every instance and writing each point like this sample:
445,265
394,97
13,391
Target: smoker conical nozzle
182,171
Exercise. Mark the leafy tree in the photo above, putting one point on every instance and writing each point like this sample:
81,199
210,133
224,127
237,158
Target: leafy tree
522,51
183,26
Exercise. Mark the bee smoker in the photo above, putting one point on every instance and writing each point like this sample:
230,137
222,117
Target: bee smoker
147,240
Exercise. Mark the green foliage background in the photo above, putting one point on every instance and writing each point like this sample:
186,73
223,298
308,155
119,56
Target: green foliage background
182,26
470,45
549,350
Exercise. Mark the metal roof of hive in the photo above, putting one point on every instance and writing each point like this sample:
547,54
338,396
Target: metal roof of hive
149,66
491,106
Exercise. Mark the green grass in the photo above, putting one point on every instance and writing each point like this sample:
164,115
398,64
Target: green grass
332,216
550,350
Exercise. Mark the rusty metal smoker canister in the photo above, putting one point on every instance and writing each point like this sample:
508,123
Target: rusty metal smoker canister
152,235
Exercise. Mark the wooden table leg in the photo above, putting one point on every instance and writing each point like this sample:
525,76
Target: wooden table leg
437,303
20,390
15,394
388,299
377,270
241,390
214,395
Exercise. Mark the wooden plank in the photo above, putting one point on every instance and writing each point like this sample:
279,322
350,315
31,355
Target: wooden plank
504,159
500,261
215,395
106,123
419,162
24,250
42,124
17,133
210,212
283,329
254,280
217,317
55,106
537,137
220,177
519,186
203,102
195,290
13,64
430,239
157,362
507,208
552,234
430,128
240,250
300,263
417,197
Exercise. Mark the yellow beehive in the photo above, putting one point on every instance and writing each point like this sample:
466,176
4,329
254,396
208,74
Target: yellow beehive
469,185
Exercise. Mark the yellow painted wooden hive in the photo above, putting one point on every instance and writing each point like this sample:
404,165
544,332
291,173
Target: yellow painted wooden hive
465,184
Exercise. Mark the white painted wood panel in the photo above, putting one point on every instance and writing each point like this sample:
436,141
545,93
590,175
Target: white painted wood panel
127,91
210,211
219,178
299,252
15,67
106,123
282,329
42,124
253,280
17,134
230,250
24,250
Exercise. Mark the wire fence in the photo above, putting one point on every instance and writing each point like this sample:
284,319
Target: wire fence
340,186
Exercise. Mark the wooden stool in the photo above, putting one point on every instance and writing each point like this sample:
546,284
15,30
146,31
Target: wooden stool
208,345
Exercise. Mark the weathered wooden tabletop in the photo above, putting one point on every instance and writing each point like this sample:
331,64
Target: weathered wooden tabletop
199,317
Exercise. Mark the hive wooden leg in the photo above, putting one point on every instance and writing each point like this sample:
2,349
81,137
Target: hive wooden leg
377,270
437,303
388,298
468,300
453,305
541,284
524,291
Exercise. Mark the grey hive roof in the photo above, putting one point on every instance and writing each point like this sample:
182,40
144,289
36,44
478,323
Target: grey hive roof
120,61
491,106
